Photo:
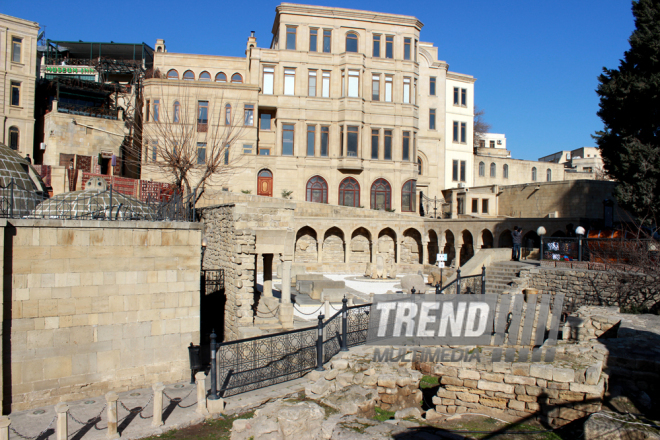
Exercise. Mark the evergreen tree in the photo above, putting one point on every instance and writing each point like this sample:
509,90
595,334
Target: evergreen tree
630,110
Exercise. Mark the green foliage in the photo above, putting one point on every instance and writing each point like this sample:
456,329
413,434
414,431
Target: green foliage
428,382
382,415
246,191
629,109
286,194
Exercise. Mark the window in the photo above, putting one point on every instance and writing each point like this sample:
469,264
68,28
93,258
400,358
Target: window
327,37
226,160
374,143
287,140
534,174
482,169
454,171
381,193
176,114
202,112
375,88
188,75
343,83
13,138
289,81
249,115
462,171
228,114
325,141
311,134
205,76
154,151
264,123
221,78
408,196
247,149
269,73
264,151
16,44
317,190
432,86
432,119
455,133
201,153
587,169
15,93
455,95
147,109
172,74
387,153
376,47
493,170
475,206
482,143
388,88
548,175
505,171
353,83
406,48
325,91
406,146
313,37
352,141
463,132
492,144
351,42
414,90
290,38
406,90
156,109
464,97
236,78
312,83
389,47
349,192
484,206
419,166
460,208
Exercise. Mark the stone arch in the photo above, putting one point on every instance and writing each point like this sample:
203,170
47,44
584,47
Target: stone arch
450,247
558,233
361,246
467,247
412,251
432,247
387,245
306,250
333,245
531,235
486,239
505,240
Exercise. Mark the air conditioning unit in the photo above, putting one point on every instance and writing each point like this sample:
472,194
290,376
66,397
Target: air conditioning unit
461,185
553,214
499,142
42,146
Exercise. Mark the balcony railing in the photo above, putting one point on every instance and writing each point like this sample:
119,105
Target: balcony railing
95,112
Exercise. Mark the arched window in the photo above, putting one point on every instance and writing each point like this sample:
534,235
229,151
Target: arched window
381,194
493,170
265,173
534,174
205,76
228,114
236,78
172,74
482,169
160,49
349,192
176,115
221,78
13,138
188,76
317,190
408,196
351,42
419,166
505,171
548,175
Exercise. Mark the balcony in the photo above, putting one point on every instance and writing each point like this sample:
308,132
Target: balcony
350,163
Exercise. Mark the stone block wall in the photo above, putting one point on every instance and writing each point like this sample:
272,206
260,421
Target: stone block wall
98,306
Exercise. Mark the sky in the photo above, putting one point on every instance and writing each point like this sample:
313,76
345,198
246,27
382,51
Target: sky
536,62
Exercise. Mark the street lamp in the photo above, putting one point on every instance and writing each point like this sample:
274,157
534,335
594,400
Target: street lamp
203,248
579,231
541,232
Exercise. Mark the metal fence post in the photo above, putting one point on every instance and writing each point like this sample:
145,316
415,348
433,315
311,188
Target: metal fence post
11,199
214,371
541,249
344,324
110,202
483,279
319,344
458,281
579,248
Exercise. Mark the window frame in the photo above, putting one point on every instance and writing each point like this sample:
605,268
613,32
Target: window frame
455,132
190,74
505,171
292,131
202,124
14,134
353,83
493,169
456,96
432,85
15,93
325,141
463,97
484,206
375,87
387,144
548,175
248,110
228,114
463,133
375,136
389,84
311,73
176,113
291,30
343,190
327,37
309,189
389,47
233,81
375,46
475,206
482,169
325,81
268,72
290,75
313,36
270,121
405,146
170,76
411,193
534,174
156,110
16,42
311,130
373,193
217,75
352,35
407,89
201,148
454,170
432,119
463,171
407,48
204,79
352,131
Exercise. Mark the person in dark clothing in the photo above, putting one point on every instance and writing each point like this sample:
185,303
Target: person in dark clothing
28,158
517,242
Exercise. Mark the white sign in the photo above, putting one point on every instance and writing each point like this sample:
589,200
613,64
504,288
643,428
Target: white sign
441,257
441,264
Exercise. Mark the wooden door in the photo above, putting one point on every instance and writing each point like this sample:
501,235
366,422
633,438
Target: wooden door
265,183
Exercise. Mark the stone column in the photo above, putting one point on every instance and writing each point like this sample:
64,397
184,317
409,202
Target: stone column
286,307
268,275
457,256
4,427
347,251
61,430
319,250
111,399
425,257
200,379
373,248
158,388
397,251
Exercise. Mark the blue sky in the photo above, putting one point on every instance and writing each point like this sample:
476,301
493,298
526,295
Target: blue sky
536,62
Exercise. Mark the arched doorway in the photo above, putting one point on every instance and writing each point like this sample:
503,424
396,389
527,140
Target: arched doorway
333,246
265,183
411,252
486,239
387,245
467,250
433,247
505,240
306,246
449,248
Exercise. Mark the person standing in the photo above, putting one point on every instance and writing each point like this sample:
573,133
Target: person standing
517,242
28,158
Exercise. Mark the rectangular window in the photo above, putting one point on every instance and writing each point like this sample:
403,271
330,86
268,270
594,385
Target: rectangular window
406,48
327,38
341,139
475,206
462,171
311,135
455,95
147,107
375,88
247,149
287,140
454,171
289,81
455,134
353,83
325,141
374,144
154,151
249,115
227,154
460,205
484,206
202,112
389,46
415,50
312,83
376,50
406,146
16,44
387,153
201,153
156,109
492,144
313,36
406,90
432,86
414,91
463,133
15,93
265,121
264,151
388,88
290,38
352,141
325,91
464,97
269,74
432,119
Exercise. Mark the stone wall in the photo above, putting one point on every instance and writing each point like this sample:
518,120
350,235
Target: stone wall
97,306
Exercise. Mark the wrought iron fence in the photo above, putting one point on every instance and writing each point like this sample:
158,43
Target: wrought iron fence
600,250
466,285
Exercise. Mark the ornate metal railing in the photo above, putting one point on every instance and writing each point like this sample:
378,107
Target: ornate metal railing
96,112
214,280
431,207
465,285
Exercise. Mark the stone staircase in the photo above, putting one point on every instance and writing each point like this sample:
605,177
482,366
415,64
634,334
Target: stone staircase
499,276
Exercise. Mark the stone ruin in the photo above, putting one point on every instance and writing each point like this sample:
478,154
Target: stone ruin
381,270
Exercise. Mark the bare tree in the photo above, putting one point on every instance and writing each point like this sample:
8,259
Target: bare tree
480,126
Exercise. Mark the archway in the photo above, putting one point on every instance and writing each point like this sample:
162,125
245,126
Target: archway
265,183
559,233
467,249
411,252
486,239
449,248
333,246
533,236
306,250
505,240
360,246
387,245
432,247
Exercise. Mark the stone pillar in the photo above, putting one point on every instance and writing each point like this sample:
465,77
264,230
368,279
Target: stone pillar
4,427
425,257
111,399
286,307
201,393
61,429
327,310
457,256
347,251
268,275
397,251
373,248
319,250
158,388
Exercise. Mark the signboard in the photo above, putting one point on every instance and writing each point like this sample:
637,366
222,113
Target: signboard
441,264
441,257
71,70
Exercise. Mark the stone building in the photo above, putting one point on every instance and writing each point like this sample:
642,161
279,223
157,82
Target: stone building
584,159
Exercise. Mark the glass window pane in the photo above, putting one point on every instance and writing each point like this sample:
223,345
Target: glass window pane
312,83
388,145
291,38
432,86
352,142
455,95
389,47
268,80
265,121
406,48
326,40
201,153
351,43
406,90
463,132
326,85
454,171
376,49
353,83
375,88
249,115
287,140
289,81
388,89
16,49
406,146
325,137
310,140
313,33
462,171
374,144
